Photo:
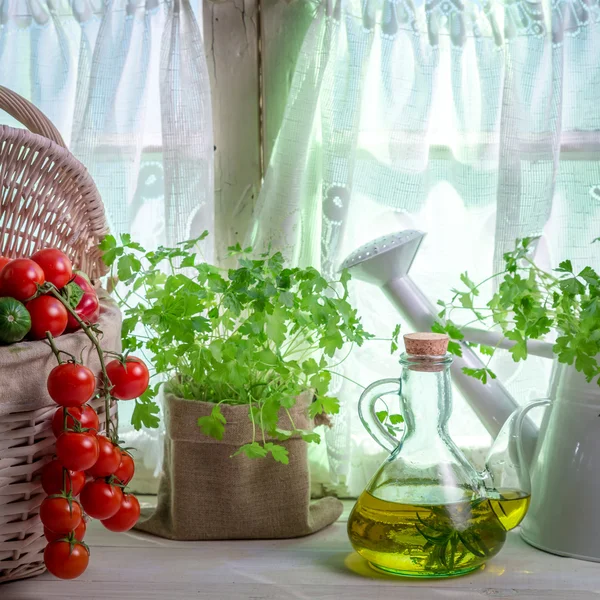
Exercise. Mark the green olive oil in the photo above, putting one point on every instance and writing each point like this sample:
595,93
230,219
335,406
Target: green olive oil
433,540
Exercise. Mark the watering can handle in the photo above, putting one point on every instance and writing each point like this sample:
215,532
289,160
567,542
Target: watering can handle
521,413
368,414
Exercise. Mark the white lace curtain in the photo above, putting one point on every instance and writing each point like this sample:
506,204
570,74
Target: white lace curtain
476,122
126,83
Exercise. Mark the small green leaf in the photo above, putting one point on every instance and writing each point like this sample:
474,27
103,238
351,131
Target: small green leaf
487,350
464,277
278,452
565,267
213,425
253,450
108,243
128,266
311,437
145,411
395,337
519,350
481,374
396,419
382,415
72,293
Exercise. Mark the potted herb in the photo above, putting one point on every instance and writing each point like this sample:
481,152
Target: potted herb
245,357
529,304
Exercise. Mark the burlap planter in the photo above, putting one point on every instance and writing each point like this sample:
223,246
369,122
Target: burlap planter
204,494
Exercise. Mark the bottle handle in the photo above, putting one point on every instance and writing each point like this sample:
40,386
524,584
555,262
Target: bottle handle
368,415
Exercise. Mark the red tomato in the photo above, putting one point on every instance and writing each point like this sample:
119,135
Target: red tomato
4,261
86,415
129,381
55,264
71,384
47,314
88,309
77,451
78,533
101,500
54,479
65,560
60,515
127,515
124,474
20,277
108,461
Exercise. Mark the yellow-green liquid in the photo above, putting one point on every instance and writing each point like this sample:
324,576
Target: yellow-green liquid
433,540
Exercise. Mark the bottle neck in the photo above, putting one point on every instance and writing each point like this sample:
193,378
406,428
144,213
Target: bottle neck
426,397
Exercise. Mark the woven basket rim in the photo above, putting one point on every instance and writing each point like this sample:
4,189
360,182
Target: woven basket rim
20,134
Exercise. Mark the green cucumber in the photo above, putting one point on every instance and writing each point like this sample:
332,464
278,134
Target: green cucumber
15,321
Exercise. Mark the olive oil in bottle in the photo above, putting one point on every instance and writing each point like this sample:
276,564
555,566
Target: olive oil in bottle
510,506
432,540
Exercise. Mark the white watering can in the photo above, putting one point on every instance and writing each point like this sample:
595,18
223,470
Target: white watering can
565,451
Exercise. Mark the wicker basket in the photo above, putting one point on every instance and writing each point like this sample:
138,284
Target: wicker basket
47,198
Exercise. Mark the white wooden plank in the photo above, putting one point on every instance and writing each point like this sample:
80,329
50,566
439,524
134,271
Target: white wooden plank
231,43
316,567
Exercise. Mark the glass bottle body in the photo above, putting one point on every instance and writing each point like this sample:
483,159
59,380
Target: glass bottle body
427,511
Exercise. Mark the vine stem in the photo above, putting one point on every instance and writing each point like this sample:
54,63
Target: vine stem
106,385
55,350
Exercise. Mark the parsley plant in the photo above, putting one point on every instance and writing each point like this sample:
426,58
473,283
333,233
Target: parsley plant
529,304
259,334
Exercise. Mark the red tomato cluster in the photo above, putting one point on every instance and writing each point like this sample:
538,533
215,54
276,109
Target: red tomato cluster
25,281
90,471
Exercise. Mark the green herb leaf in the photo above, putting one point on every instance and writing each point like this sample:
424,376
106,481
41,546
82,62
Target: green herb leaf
146,410
395,337
213,425
253,450
278,452
382,415
481,374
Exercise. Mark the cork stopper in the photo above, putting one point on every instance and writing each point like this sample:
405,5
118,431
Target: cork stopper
426,344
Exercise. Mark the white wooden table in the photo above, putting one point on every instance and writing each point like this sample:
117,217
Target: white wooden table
321,567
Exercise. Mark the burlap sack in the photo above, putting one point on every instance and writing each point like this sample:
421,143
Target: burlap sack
24,367
204,494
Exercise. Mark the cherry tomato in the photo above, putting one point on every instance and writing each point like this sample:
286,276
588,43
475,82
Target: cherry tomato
60,515
78,533
85,414
124,474
71,384
88,308
130,380
77,451
55,264
127,515
108,460
4,261
20,277
65,560
54,479
101,500
47,314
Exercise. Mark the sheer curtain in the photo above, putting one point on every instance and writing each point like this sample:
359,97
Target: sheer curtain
126,83
475,122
